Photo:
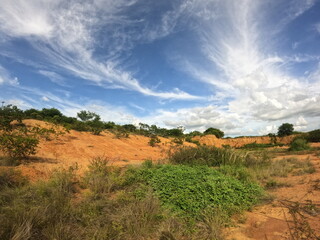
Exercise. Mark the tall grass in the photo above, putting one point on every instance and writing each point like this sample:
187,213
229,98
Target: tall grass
213,157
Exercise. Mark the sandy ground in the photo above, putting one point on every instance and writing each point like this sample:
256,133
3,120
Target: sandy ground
271,221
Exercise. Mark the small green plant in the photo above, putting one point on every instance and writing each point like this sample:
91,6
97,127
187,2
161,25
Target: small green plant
299,144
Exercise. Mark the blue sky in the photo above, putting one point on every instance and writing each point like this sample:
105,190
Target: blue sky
243,66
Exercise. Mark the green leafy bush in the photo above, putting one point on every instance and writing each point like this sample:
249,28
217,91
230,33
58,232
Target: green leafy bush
299,144
17,145
191,189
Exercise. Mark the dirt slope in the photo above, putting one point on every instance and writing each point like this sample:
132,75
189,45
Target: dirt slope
239,142
78,148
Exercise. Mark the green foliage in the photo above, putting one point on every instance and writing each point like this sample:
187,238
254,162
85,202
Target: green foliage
175,132
90,122
8,114
285,129
299,144
16,140
87,116
18,145
214,131
129,127
191,189
314,136
48,113
194,133
80,126
96,126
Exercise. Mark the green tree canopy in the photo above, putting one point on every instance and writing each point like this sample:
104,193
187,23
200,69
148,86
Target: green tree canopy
285,129
88,116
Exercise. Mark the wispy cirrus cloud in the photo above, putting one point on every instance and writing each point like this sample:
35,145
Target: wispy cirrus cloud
66,35
6,78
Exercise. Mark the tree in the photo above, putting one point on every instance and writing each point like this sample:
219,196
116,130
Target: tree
87,116
92,120
285,129
214,131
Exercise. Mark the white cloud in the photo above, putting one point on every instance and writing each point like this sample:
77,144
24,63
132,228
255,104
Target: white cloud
243,61
44,98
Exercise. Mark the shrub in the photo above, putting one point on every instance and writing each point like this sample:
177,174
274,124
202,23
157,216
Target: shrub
285,129
17,145
314,136
192,189
99,177
214,131
299,144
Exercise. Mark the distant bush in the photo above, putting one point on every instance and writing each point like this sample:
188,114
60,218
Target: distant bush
314,136
299,144
214,131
